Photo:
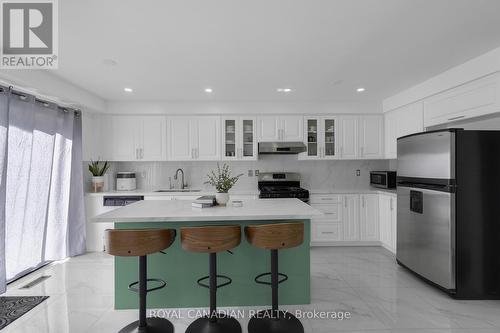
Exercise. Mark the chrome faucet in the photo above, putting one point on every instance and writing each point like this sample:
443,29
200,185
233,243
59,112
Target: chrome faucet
182,179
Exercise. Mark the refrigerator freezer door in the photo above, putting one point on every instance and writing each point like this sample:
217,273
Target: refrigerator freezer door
427,155
426,233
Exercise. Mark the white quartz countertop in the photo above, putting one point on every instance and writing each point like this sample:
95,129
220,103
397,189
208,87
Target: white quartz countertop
180,210
173,193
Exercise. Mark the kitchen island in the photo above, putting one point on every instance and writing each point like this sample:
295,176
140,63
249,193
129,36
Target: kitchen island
181,269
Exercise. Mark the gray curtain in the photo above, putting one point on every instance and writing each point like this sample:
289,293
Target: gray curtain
4,120
44,215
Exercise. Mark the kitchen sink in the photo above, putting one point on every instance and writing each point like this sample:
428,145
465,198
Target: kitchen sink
179,190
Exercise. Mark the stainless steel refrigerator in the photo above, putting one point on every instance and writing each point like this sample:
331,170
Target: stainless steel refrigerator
448,212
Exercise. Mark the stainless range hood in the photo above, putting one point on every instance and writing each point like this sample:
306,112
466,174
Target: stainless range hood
282,147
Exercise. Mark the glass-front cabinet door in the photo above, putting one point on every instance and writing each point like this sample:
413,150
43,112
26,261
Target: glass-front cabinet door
329,139
320,138
230,140
239,142
312,130
248,139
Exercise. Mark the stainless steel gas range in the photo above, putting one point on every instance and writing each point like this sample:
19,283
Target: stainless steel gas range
274,185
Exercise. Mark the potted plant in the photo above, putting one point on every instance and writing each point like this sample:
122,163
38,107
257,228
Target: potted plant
98,170
222,181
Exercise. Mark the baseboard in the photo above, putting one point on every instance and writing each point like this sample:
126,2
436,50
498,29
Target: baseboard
345,243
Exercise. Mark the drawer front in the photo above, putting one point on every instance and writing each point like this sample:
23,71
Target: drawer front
325,198
326,232
332,212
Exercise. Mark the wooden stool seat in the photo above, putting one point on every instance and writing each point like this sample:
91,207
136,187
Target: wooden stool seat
210,239
138,242
276,235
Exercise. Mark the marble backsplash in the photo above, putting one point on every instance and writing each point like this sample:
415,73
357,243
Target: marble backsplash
317,175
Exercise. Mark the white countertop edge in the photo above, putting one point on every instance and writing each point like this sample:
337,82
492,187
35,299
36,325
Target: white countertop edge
153,193
225,219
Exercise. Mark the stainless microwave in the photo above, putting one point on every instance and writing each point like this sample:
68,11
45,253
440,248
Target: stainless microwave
383,179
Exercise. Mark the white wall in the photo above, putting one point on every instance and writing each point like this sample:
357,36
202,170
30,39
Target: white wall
483,65
319,175
214,107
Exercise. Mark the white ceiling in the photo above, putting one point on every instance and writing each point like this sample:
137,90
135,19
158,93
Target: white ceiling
246,49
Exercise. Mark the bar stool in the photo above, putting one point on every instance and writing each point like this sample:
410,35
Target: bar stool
140,243
212,239
275,237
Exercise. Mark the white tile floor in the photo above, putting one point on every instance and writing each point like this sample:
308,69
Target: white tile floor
367,282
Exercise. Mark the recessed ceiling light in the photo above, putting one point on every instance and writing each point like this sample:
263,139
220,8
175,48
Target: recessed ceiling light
209,90
284,90
109,62
128,89
360,89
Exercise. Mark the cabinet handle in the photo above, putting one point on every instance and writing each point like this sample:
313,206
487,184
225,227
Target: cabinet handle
142,153
455,118
362,151
327,199
137,153
192,153
197,154
327,232
363,201
327,213
345,202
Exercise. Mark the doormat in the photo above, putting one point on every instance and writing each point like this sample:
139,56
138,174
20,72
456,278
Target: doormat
11,308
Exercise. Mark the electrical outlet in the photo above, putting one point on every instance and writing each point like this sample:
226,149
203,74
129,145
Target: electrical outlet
358,172
256,172
250,173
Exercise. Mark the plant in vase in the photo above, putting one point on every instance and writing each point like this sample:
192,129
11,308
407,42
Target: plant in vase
222,181
98,170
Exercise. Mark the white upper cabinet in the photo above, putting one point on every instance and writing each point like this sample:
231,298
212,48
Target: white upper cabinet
125,134
349,137
180,139
321,137
135,138
280,128
369,217
268,128
371,136
207,138
194,138
238,138
153,138
477,98
292,128
400,122
391,133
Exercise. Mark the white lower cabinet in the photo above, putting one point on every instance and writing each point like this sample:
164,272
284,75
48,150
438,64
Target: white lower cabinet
388,221
369,217
350,217
354,219
326,232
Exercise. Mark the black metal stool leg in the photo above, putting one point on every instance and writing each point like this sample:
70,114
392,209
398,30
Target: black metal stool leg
214,323
273,320
146,325
143,269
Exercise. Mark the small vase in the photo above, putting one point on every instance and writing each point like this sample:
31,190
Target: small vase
97,183
222,198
